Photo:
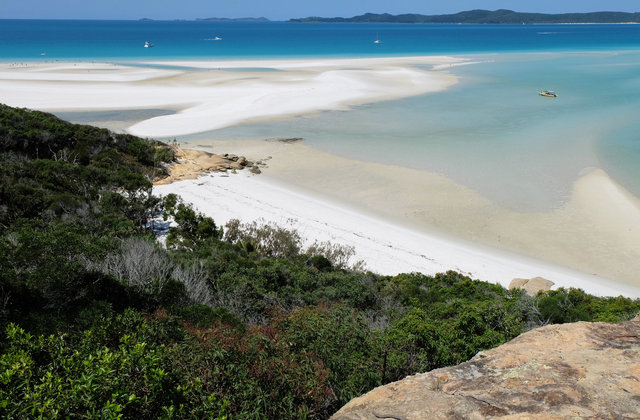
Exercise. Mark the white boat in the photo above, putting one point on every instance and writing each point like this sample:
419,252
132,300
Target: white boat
147,44
217,38
377,41
548,93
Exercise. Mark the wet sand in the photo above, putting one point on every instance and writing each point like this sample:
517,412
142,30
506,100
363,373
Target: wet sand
399,219
592,242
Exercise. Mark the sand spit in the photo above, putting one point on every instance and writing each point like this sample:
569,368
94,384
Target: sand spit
220,93
399,219
402,220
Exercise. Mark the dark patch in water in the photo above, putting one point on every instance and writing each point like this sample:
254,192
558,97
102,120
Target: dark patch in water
129,115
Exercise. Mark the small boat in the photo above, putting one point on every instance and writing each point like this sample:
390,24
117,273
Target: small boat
147,44
217,38
377,41
548,94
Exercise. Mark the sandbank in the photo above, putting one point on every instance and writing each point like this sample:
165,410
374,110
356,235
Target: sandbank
403,220
399,219
218,95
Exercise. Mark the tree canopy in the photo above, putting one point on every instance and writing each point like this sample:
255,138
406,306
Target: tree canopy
100,319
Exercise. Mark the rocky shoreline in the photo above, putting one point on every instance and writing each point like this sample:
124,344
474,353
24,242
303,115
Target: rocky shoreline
190,164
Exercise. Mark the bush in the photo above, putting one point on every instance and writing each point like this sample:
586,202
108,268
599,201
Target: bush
204,316
265,240
46,377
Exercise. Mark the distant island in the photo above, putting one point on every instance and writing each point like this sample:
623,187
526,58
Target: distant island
501,16
244,19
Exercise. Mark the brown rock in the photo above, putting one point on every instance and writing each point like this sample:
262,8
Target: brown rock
190,164
531,286
581,370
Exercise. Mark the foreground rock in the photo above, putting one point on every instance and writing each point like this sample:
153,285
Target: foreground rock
531,286
581,370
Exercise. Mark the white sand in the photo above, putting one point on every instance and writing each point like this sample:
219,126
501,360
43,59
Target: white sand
213,97
597,232
386,248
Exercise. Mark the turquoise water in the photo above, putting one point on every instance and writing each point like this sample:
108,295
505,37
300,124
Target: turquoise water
124,40
491,131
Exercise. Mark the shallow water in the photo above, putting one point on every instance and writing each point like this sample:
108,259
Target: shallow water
131,115
492,131
115,120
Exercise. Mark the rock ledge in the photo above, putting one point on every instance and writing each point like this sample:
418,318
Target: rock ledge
581,370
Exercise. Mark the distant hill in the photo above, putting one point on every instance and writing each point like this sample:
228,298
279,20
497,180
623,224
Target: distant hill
501,16
244,19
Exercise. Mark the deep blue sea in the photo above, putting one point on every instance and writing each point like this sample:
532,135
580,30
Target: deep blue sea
491,131
123,40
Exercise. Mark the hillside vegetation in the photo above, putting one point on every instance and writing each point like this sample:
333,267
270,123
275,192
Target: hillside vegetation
100,320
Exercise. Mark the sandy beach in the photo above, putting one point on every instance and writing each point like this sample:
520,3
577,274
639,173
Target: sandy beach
216,94
398,219
590,243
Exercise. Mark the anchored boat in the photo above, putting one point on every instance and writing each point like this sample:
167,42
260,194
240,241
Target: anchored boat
548,94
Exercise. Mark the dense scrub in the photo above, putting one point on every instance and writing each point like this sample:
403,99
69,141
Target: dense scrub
99,320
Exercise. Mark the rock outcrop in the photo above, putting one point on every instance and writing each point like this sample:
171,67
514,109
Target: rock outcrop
192,163
531,286
581,370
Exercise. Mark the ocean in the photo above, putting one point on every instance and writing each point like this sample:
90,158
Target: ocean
122,40
490,132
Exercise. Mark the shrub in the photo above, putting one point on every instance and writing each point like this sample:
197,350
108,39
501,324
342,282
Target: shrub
204,316
46,377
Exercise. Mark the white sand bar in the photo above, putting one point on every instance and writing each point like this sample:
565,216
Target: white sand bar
595,235
385,247
403,220
220,93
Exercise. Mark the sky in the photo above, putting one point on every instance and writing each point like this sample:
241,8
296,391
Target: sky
283,9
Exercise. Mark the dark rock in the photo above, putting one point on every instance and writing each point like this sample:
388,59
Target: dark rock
286,140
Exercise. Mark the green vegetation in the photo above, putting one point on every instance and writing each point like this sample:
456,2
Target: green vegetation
501,16
98,319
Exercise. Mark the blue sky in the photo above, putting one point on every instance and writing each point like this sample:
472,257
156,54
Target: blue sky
282,9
